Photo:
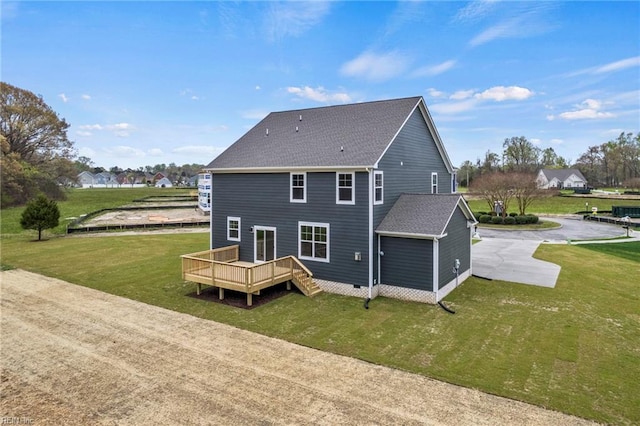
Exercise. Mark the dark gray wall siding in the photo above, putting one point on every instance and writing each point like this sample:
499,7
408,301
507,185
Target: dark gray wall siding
416,150
263,200
456,245
407,263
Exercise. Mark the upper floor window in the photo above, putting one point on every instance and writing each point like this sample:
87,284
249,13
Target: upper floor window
378,187
233,228
454,182
434,183
344,188
298,187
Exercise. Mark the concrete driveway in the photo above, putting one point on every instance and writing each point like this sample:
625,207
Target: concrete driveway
508,255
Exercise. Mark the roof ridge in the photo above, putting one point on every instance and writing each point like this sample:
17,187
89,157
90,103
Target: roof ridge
417,97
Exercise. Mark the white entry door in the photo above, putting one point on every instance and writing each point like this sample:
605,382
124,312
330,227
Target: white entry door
264,243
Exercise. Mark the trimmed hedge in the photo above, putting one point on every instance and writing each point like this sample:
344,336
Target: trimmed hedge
497,220
485,218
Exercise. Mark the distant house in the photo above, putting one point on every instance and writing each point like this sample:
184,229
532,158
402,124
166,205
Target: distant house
561,179
362,194
86,179
164,183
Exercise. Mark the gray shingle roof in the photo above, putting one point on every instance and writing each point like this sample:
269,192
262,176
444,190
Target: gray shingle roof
562,174
424,215
354,135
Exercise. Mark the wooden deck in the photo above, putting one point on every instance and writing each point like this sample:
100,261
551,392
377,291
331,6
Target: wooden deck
221,268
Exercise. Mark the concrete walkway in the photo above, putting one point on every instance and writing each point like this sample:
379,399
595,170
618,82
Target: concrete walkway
508,255
512,260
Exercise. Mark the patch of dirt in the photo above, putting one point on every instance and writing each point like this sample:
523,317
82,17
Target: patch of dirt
239,300
73,355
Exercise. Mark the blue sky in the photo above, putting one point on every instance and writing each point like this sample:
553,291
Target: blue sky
143,83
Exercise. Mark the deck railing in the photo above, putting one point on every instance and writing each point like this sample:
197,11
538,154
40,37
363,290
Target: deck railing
216,268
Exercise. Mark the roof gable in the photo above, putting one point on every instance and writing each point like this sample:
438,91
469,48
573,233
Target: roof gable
422,215
342,136
561,174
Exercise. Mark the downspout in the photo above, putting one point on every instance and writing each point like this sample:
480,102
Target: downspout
436,267
371,236
211,217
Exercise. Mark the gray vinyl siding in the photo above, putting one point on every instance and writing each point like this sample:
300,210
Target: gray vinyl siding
456,245
407,167
407,263
263,199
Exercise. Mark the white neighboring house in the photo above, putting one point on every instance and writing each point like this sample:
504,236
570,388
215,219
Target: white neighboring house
86,179
204,192
164,183
560,179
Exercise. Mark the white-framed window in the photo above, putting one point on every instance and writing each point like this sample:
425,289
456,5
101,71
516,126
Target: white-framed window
434,182
378,188
298,184
233,228
313,241
344,188
454,182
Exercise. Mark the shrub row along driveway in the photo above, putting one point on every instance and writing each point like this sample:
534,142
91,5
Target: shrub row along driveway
74,355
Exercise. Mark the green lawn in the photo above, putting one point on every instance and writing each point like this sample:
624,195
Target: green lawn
574,348
559,205
83,201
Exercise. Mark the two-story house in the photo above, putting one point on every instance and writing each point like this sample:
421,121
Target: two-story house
363,194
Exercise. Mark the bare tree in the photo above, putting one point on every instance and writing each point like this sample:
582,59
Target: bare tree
496,189
525,190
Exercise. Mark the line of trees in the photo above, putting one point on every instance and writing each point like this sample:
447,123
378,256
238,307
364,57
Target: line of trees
614,163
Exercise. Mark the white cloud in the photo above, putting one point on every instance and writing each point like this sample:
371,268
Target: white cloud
258,88
319,94
64,97
120,129
535,141
254,114
124,151
462,94
435,93
83,133
588,109
501,93
453,107
618,65
475,10
556,141
90,127
376,66
155,152
434,69
198,150
86,97
294,18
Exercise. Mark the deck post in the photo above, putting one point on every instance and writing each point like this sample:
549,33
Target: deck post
198,287
220,293
249,299
289,285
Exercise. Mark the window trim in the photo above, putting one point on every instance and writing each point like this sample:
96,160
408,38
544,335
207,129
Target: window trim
353,188
314,225
229,220
375,187
434,185
304,188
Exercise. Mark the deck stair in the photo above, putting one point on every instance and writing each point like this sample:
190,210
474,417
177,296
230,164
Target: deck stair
222,268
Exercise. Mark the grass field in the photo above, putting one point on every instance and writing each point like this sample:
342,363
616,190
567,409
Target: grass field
83,201
559,205
574,348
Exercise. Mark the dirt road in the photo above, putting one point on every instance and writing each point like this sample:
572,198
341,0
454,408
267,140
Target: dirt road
72,355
